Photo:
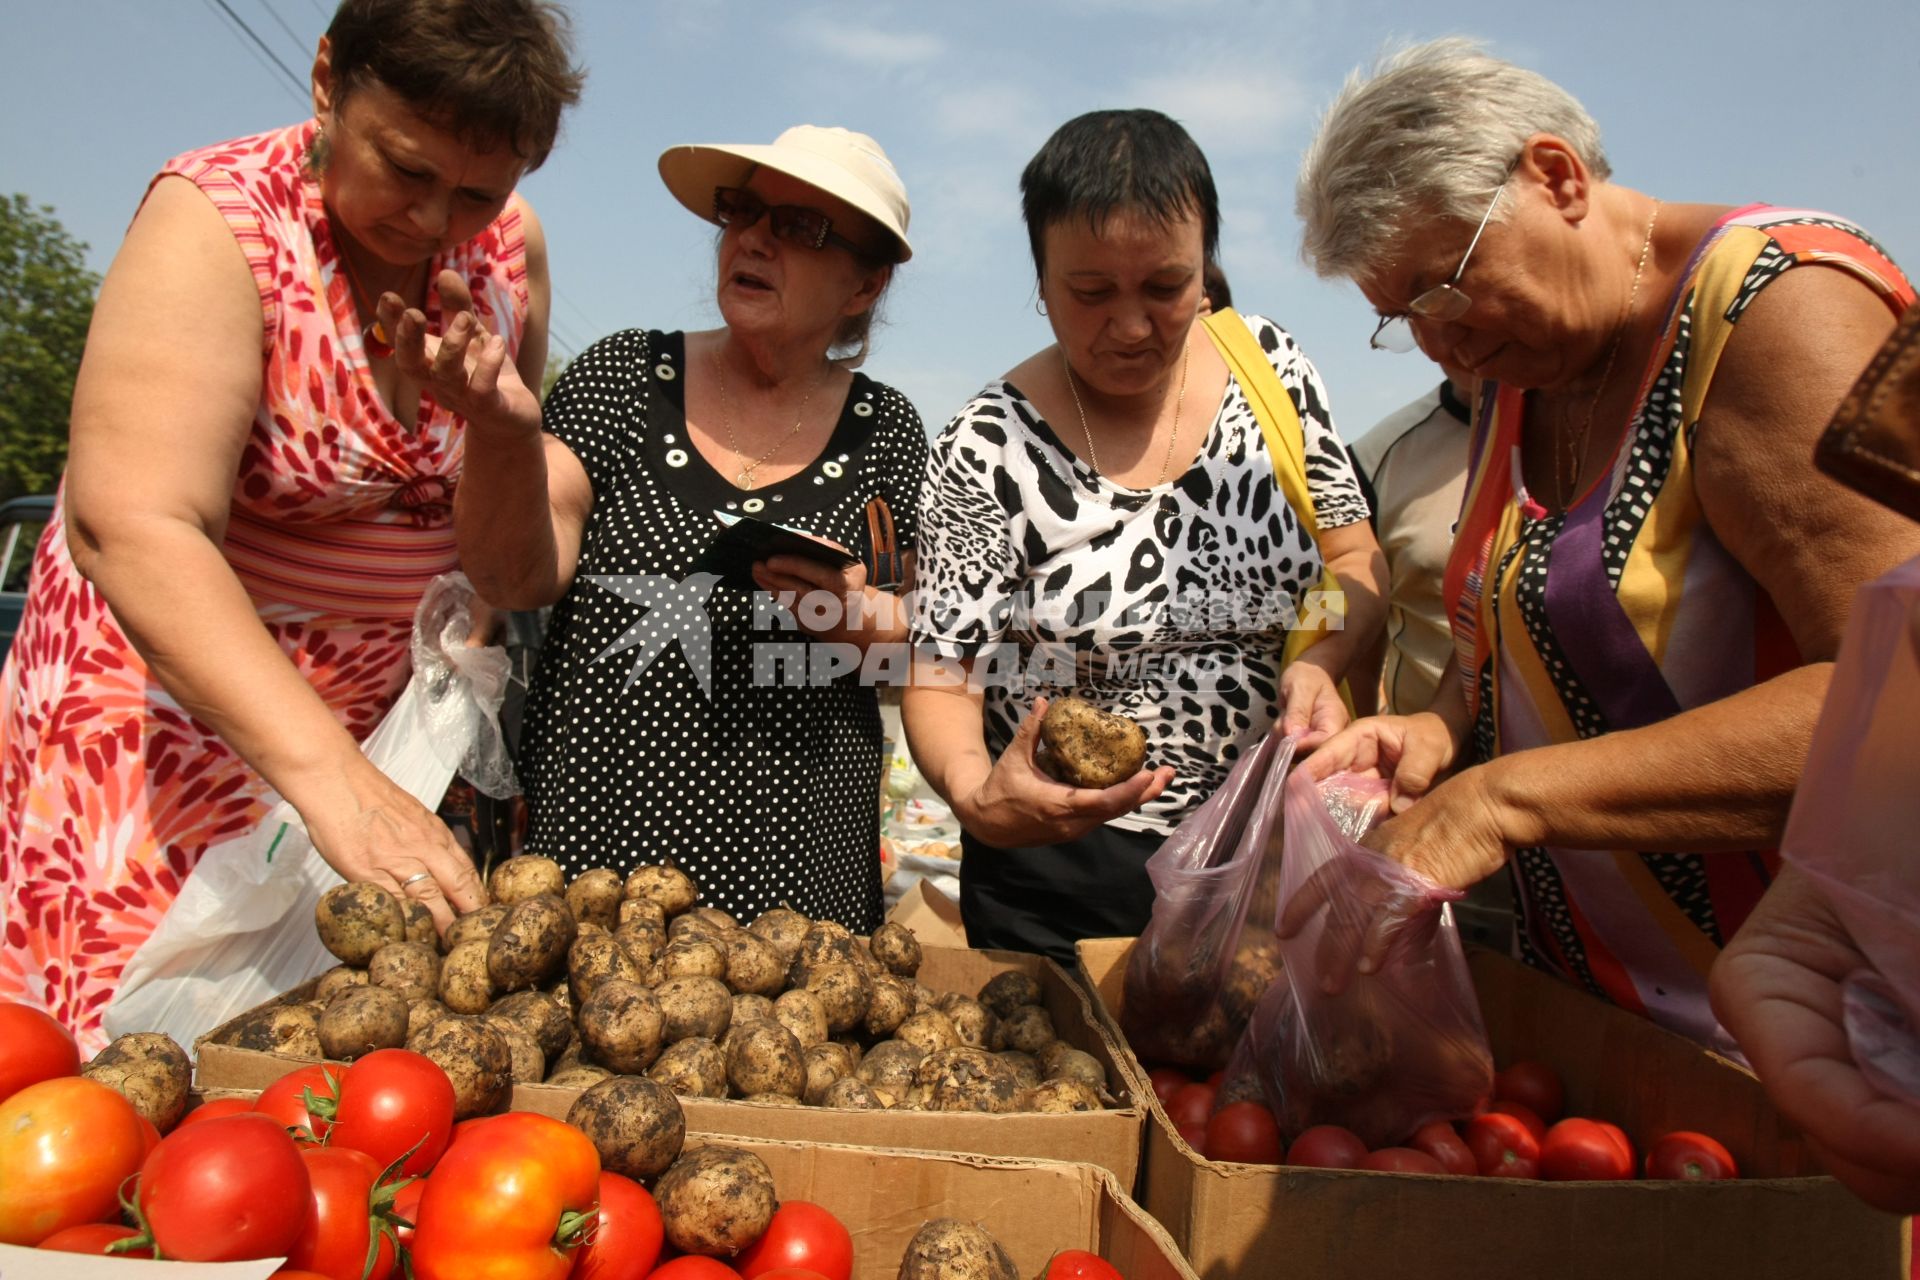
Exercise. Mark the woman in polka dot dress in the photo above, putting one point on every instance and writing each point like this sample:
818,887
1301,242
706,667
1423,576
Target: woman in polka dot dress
681,712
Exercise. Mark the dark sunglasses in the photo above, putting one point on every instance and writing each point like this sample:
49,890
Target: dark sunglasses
794,223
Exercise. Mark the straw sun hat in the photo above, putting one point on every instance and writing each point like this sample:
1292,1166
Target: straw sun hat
848,165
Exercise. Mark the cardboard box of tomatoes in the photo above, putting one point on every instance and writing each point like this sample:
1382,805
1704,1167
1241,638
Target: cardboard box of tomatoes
1110,1139
1780,1218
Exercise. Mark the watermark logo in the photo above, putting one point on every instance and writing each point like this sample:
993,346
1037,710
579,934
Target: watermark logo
676,613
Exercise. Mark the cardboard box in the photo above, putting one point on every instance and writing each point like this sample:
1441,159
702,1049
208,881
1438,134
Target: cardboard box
1779,1220
1110,1139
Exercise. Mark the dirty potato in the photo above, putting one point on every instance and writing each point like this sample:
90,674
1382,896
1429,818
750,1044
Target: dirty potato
364,1020
530,947
751,1009
542,1016
465,985
1029,1028
643,941
1076,1064
852,1094
967,1079
529,1063
692,1068
1084,746
894,946
671,887
635,1124
827,1065
1025,1067
622,1027
356,920
765,1058
641,911
292,1031
149,1070
890,1065
949,1249
1256,964
971,1021
1056,1097
845,990
475,924
694,958
581,1075
928,1032
805,1015
594,959
890,1005
420,925
755,966
784,928
410,968
1008,991
595,896
695,1007
722,921
476,1059
422,1014
336,981
716,1200
824,942
527,876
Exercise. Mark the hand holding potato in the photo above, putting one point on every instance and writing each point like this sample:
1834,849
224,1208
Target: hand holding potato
1018,804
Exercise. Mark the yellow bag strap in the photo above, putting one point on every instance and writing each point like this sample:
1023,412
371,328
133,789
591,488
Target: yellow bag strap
1272,408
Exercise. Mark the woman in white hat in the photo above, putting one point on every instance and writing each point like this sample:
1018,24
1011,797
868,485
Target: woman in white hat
678,712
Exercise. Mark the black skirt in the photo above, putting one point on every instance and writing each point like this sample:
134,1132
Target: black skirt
1045,898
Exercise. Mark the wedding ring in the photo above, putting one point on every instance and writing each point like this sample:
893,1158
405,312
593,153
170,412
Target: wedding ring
416,878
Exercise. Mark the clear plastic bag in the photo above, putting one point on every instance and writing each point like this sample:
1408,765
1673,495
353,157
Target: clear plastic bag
241,930
1208,952
1380,1053
1853,825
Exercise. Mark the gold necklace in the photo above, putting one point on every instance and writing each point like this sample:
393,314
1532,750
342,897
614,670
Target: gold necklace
374,337
1180,400
1577,458
744,477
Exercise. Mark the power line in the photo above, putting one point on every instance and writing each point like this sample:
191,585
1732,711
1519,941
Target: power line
324,15
278,21
299,86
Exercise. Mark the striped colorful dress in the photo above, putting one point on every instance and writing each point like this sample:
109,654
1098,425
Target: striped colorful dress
1623,611
109,792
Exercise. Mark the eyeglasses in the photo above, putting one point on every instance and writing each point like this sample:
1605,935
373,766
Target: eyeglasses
794,223
1442,302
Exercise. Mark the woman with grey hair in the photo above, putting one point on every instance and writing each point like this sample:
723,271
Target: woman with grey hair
1649,580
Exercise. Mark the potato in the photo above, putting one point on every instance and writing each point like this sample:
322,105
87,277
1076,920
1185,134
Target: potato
695,928
364,1020
530,946
805,1015
422,1014
754,965
784,928
1256,964
924,998
1055,1097
928,1032
641,911
581,1075
477,1060
852,1094
852,1045
720,920
291,1031
465,985
529,1063
542,1016
527,876
594,959
890,1065
845,990
949,1249
1008,991
420,925
971,1021
636,1125
825,942
894,946
410,968
1083,746
622,1027
695,1008
765,1058
967,1079
644,941
1075,1064
671,887
827,1065
149,1070
716,1200
1028,1028
475,924
1025,1067
356,920
751,1009
773,1100
595,896
336,981
692,1068
890,1005
694,958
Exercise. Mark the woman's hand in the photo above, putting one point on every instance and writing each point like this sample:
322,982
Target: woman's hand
1777,989
839,609
1314,710
1411,752
384,836
1016,804
466,369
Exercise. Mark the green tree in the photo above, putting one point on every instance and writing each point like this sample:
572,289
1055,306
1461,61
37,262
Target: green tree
46,302
556,366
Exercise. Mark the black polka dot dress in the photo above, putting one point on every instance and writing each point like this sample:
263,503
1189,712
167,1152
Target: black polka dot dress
764,786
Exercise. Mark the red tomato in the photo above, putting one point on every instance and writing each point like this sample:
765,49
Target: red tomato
286,1100
791,1273
694,1267
66,1145
1534,1085
93,1237
1192,1104
341,1237
1580,1150
1327,1146
33,1047
1441,1141
801,1235
225,1190
406,1209
1502,1146
1525,1114
1168,1081
289,1273
150,1136
533,1182
215,1109
627,1242
1401,1160
1078,1264
1689,1157
1244,1131
392,1102
1195,1136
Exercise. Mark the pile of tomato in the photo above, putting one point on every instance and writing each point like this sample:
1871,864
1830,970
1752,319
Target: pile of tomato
1522,1133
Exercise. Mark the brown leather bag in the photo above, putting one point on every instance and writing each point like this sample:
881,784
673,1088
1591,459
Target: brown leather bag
1873,443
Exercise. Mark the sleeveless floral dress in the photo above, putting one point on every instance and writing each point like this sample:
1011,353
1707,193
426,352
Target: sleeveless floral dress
109,791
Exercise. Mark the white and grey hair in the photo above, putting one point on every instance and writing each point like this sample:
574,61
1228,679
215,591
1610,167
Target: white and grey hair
1432,131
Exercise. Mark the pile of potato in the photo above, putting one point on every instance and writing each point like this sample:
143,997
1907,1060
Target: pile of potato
577,983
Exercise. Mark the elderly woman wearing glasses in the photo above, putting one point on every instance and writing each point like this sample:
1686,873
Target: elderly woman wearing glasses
678,713
1649,580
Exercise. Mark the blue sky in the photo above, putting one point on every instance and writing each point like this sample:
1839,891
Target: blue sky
1697,99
